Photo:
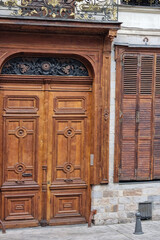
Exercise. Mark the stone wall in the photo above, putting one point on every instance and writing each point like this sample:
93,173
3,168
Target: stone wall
118,203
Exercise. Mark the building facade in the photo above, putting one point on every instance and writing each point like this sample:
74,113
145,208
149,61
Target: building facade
79,111
134,140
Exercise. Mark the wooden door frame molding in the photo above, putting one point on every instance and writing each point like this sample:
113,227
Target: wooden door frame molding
96,53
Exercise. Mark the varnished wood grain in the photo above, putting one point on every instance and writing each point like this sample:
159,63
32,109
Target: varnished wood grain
62,120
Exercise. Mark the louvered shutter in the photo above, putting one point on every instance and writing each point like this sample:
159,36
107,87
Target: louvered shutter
128,124
156,141
136,125
144,157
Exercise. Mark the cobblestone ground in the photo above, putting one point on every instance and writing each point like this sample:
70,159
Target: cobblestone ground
151,231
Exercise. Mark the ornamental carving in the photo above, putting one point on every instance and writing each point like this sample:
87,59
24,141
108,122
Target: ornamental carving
97,10
44,66
69,132
19,168
68,168
21,132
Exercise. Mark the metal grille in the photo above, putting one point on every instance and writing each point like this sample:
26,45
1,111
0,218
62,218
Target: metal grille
88,10
153,3
145,210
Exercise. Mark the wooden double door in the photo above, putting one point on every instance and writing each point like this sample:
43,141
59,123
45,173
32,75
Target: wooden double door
45,152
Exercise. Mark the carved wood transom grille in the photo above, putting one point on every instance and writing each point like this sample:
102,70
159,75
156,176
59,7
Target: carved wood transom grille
44,66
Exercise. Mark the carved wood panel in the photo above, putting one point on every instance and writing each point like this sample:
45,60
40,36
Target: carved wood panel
46,141
20,206
68,146
20,149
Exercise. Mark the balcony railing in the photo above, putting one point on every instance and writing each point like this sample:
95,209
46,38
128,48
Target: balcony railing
153,3
82,10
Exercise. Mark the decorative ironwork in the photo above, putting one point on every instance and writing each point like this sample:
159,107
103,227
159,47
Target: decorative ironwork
95,10
153,3
44,66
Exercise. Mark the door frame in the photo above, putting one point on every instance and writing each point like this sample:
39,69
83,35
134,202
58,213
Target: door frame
95,53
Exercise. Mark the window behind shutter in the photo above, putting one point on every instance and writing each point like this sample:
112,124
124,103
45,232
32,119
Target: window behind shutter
130,64
146,75
128,124
128,140
136,125
144,140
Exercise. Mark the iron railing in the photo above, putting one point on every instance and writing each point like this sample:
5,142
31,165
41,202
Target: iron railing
84,10
153,3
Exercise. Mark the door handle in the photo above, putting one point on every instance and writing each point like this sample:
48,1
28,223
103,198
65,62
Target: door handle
68,180
27,175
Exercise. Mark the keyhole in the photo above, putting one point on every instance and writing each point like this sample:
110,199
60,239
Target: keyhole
68,167
69,132
21,132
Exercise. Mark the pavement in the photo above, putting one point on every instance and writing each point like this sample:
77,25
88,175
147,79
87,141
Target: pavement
151,231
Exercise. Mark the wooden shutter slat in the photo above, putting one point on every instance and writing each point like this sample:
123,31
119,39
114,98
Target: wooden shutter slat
130,64
157,90
145,118
156,152
144,139
128,139
156,143
144,160
128,123
127,171
146,74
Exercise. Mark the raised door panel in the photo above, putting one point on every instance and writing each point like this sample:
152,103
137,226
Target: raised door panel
20,149
69,140
70,114
22,143
20,206
69,151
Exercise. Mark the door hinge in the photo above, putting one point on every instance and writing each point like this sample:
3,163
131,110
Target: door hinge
137,116
91,159
135,172
119,172
120,116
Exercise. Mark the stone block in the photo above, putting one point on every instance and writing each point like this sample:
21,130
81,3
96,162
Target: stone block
111,221
131,215
151,191
110,194
125,200
113,215
131,207
122,214
97,194
121,207
114,208
132,192
139,199
113,201
154,198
